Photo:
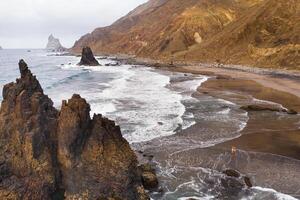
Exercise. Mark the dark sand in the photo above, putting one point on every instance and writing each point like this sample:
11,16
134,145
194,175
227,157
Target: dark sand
269,132
268,148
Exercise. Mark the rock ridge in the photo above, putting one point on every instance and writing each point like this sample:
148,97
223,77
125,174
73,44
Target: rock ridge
54,44
66,154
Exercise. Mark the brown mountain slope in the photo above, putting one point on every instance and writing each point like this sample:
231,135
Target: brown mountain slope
253,32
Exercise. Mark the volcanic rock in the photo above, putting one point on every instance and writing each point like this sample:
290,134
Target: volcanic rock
51,154
54,44
232,173
149,178
248,182
257,107
292,112
87,57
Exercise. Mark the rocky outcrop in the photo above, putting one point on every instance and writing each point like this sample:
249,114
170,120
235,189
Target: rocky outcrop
1,48
87,57
258,107
235,180
51,154
272,108
232,173
54,44
149,177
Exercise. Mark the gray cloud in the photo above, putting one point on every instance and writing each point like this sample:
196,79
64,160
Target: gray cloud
28,23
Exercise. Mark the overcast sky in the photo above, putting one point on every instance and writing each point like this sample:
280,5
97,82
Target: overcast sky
28,23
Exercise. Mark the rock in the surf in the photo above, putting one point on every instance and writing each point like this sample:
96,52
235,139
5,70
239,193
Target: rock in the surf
248,182
87,58
149,177
258,107
292,112
51,154
232,173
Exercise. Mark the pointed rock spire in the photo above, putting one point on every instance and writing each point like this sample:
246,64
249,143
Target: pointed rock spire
87,57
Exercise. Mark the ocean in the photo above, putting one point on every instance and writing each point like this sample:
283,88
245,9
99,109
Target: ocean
147,103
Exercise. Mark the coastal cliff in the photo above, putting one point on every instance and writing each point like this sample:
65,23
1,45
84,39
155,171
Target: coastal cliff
66,154
249,32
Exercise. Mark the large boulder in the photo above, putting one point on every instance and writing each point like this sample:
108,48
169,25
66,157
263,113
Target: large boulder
149,177
235,177
51,154
232,173
87,58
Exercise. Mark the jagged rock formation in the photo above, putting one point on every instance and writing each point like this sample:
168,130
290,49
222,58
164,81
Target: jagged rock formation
252,32
54,44
51,154
87,57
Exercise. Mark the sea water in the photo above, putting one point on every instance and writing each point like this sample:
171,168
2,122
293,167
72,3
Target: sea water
140,99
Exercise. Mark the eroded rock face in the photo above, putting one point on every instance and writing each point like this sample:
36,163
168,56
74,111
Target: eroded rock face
87,57
93,155
54,44
149,177
47,154
28,121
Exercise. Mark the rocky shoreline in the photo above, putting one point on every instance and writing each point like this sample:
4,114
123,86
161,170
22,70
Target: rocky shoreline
50,154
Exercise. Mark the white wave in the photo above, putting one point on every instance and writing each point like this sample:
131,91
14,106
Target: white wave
192,85
276,195
104,107
145,103
270,103
156,111
226,102
225,111
71,67
197,198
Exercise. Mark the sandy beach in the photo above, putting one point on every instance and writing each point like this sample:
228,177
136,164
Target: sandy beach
268,143
264,132
285,81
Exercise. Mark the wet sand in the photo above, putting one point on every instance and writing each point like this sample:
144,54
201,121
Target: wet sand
266,131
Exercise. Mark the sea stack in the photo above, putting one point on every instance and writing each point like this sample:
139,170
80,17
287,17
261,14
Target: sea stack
54,45
88,58
50,154
1,48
